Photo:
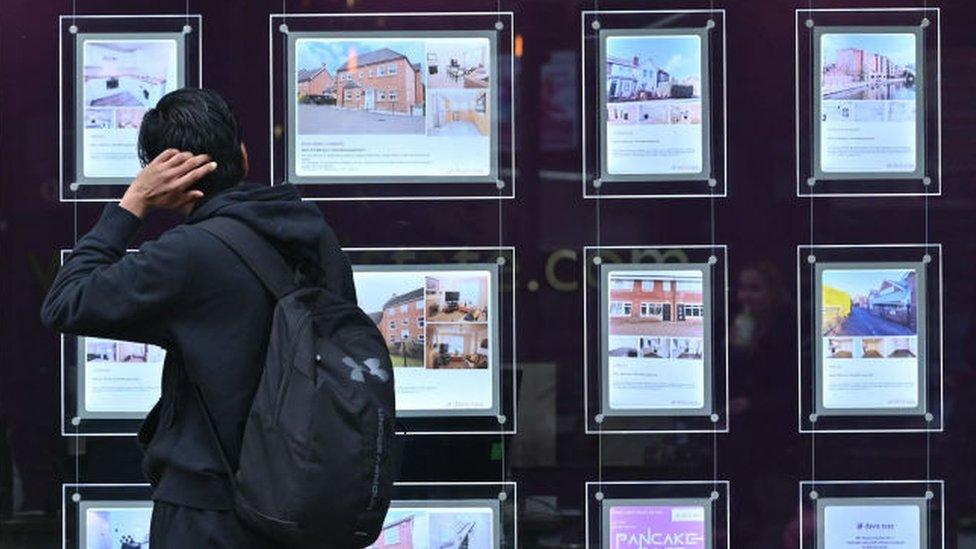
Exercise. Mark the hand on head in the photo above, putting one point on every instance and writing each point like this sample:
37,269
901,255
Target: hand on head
165,183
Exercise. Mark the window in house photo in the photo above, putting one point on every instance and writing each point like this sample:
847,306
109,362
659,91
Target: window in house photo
620,308
621,284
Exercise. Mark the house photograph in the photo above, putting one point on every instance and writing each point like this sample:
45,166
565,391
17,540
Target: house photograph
458,113
100,350
639,347
126,528
99,119
840,347
395,302
868,66
889,347
457,346
653,79
436,528
459,529
458,63
687,348
869,302
656,303
367,86
129,117
457,297
403,529
128,73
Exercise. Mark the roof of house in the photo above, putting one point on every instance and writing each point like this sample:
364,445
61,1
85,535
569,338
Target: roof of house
304,75
381,55
898,295
376,317
408,297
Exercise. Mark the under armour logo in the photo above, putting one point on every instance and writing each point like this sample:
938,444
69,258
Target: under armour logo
371,364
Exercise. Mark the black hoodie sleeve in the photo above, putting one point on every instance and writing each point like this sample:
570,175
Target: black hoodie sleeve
103,291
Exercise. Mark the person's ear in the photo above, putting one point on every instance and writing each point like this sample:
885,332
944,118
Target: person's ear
244,162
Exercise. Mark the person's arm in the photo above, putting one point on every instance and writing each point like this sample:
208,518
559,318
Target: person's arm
103,291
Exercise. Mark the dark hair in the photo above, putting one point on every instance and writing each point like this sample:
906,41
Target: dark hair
198,121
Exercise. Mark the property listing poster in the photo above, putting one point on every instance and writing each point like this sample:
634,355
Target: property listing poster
654,108
120,376
437,527
394,107
438,325
868,105
122,79
869,338
872,527
655,340
108,527
657,527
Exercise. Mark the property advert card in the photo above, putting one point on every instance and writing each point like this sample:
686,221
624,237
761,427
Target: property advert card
868,91
397,106
121,79
654,115
657,527
439,325
870,338
655,327
872,527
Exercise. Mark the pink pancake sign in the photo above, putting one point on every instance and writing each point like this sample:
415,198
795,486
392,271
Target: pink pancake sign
657,527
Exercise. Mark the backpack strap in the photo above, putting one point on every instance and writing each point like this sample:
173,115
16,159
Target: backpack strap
274,273
258,254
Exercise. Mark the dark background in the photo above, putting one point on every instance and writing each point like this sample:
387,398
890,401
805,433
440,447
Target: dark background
762,221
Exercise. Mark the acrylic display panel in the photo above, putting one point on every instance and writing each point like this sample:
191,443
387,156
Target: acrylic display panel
107,386
654,103
447,317
394,107
478,515
636,515
106,516
114,69
655,323
870,352
870,514
868,102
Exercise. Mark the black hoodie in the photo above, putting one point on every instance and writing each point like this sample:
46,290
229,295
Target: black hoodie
190,294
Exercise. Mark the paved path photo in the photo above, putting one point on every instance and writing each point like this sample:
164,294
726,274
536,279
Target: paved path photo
330,120
654,328
861,323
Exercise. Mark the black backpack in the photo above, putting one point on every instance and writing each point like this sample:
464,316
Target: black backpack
317,460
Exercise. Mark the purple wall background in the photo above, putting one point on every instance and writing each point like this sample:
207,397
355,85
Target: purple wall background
761,221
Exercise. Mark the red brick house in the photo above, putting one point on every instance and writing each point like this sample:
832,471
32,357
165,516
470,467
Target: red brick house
382,80
398,535
403,319
315,82
656,298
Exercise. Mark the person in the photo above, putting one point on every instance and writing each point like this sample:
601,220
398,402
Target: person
190,294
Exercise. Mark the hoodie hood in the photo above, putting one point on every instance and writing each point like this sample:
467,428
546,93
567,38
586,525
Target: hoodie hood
294,227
